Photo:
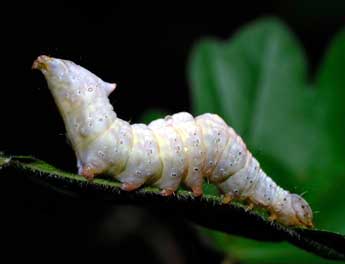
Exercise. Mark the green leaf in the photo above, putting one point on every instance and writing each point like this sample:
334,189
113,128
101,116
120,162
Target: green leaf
152,114
233,219
330,85
257,81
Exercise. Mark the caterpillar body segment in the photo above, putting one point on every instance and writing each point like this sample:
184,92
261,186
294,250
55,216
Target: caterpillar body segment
178,149
172,155
192,147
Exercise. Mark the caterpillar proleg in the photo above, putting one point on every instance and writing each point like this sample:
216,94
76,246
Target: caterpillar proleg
178,149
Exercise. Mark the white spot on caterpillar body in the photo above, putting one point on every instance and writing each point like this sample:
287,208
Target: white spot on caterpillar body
215,137
167,152
191,136
143,163
237,183
232,159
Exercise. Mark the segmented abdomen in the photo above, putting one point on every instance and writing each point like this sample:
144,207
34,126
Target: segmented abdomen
181,149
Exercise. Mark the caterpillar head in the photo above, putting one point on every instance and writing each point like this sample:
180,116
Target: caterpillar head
302,210
66,75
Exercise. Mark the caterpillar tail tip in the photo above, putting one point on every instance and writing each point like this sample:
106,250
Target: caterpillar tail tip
40,63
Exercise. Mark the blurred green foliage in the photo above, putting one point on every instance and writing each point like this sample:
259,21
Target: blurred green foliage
258,82
152,114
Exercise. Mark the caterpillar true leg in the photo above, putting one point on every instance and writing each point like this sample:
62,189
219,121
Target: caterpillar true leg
273,217
250,206
227,198
168,152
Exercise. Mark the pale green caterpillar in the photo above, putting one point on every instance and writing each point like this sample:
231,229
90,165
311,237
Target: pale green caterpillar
165,153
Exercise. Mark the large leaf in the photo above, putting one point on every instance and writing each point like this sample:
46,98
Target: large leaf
257,81
208,211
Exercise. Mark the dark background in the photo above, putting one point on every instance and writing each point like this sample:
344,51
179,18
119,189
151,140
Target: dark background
148,61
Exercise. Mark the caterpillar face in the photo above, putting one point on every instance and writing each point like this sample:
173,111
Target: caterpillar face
168,152
302,210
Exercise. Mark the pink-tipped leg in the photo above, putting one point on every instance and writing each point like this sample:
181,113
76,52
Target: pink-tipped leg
87,172
167,192
197,191
130,186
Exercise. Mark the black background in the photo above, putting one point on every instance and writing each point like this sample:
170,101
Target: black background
148,61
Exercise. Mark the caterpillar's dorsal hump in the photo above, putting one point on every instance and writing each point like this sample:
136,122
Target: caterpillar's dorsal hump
109,87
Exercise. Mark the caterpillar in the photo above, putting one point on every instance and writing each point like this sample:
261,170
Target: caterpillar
165,153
